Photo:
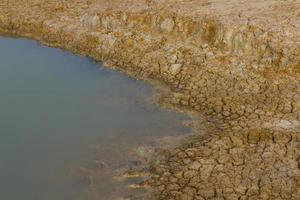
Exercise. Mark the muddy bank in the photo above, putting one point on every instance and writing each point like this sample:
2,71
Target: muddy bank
236,64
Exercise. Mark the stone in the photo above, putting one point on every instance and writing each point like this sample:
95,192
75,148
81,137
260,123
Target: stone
90,20
167,25
175,68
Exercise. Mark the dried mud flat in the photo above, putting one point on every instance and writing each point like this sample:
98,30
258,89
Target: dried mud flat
236,63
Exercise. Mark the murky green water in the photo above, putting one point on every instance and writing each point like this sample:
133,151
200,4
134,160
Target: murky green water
59,111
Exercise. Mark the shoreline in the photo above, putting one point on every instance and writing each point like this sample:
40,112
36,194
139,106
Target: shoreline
166,142
242,78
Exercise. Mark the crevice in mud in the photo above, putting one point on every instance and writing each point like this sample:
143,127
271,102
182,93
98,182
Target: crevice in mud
242,79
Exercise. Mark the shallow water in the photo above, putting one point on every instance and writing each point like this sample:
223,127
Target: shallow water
60,111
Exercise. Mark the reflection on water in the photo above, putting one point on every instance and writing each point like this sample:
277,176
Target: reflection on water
61,113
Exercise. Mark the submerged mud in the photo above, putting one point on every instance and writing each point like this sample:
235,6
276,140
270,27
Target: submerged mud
235,64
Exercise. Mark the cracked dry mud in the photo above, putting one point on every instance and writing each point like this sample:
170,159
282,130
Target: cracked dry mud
236,63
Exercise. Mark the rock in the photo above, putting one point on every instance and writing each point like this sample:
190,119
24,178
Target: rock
175,68
90,20
195,166
167,25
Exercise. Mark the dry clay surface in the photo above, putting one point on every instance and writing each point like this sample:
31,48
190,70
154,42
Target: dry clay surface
235,62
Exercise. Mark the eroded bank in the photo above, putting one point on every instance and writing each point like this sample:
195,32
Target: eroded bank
234,63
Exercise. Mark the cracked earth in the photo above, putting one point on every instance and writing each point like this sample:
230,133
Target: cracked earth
236,63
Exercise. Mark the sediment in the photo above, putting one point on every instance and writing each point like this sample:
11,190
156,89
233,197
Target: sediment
235,63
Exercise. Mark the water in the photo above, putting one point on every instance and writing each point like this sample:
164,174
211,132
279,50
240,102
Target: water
59,111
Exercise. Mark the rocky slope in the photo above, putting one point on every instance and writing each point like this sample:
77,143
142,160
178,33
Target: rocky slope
236,63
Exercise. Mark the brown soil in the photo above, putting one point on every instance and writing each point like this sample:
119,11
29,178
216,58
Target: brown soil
236,63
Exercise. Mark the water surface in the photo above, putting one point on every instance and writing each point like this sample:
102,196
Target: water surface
60,110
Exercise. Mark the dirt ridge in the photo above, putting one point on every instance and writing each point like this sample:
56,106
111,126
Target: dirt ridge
237,68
